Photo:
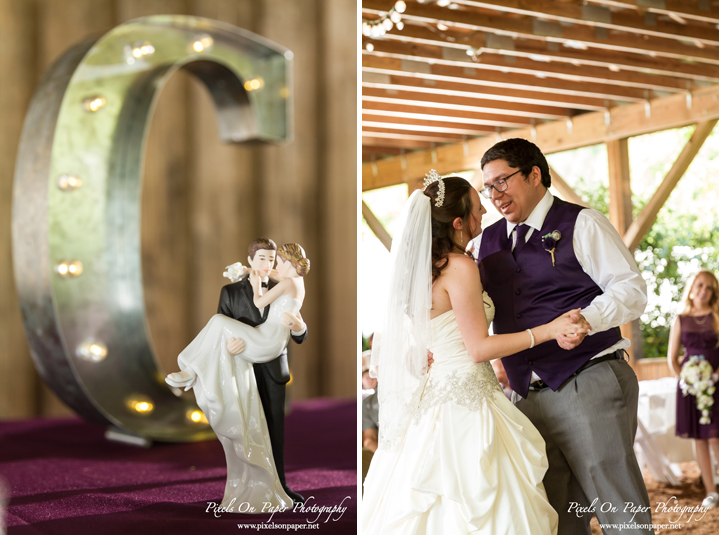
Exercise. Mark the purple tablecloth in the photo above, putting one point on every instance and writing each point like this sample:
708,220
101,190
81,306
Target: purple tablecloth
65,478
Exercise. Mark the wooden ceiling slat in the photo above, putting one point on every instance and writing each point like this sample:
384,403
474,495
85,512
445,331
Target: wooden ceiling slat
678,7
448,77
532,48
495,65
576,34
376,99
380,144
399,110
441,117
576,13
401,84
376,133
404,125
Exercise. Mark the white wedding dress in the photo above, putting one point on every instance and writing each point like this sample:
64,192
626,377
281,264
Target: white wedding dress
470,462
226,392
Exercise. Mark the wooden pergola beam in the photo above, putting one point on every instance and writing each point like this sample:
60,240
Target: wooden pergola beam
565,190
639,227
620,189
549,31
588,129
376,226
620,215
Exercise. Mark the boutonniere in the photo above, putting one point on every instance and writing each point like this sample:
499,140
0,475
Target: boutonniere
549,242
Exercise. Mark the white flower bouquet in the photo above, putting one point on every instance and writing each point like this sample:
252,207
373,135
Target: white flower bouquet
697,379
235,272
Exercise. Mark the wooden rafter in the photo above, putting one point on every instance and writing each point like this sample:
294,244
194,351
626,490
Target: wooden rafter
587,129
551,31
639,227
565,190
376,226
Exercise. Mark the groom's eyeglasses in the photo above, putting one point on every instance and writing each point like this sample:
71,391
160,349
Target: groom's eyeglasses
500,186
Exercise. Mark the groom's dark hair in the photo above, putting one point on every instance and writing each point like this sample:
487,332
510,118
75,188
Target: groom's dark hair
261,244
520,153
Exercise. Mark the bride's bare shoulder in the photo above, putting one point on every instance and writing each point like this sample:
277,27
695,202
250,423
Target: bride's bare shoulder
461,262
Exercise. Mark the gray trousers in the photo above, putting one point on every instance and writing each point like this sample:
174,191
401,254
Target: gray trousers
589,426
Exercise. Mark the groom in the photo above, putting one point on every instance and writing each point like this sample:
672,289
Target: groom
236,302
545,257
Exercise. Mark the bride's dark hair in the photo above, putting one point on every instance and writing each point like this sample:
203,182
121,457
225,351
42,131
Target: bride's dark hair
457,203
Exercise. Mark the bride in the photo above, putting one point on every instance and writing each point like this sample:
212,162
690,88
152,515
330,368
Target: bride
226,390
455,456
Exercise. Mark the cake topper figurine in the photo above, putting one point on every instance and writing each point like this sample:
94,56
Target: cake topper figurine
238,369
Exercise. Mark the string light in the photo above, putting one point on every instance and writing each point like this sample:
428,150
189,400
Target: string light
197,417
93,103
69,182
254,84
142,405
393,18
69,268
203,44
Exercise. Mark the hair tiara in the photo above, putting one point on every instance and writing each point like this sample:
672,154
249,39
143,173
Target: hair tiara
431,178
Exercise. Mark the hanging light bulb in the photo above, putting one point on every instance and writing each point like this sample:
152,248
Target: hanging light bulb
369,47
399,25
400,6
395,17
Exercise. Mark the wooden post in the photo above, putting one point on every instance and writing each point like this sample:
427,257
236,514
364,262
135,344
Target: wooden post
376,226
18,380
620,214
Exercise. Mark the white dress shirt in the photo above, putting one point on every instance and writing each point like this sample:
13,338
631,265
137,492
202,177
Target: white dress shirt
604,257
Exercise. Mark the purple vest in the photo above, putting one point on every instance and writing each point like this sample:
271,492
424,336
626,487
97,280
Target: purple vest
529,292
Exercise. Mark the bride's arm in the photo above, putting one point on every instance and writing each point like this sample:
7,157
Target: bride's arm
262,300
462,284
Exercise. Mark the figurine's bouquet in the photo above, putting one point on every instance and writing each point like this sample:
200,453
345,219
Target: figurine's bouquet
235,271
697,378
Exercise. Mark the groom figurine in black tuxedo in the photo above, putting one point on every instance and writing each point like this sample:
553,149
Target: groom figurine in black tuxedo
236,302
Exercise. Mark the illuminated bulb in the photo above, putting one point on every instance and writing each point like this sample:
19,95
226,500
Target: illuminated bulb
614,68
197,417
289,55
399,25
441,27
395,17
142,405
69,182
470,52
366,28
387,23
254,84
369,47
400,6
93,103
443,3
203,44
69,268
92,350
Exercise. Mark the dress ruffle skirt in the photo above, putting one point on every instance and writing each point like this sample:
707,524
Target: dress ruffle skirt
470,462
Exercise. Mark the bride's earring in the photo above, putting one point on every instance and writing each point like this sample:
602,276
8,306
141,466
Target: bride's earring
461,238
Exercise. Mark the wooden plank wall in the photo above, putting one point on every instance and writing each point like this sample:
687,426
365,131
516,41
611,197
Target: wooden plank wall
203,201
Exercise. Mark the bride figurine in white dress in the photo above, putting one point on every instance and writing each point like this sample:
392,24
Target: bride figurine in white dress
455,456
226,391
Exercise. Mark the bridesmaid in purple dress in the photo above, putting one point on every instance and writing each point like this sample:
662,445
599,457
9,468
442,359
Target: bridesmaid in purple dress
697,330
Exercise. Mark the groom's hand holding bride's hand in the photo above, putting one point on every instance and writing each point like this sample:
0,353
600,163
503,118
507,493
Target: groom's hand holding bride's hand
570,340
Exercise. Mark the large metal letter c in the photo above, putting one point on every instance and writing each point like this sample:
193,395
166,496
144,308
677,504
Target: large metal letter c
76,224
